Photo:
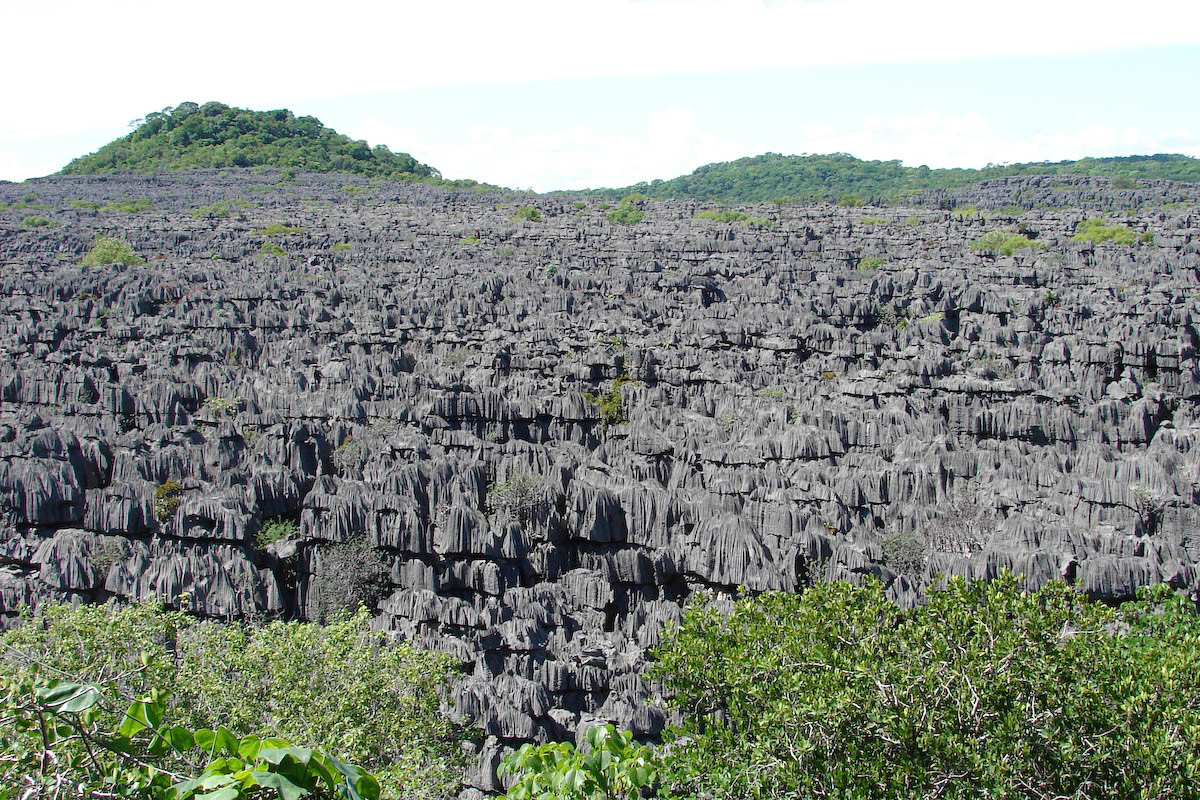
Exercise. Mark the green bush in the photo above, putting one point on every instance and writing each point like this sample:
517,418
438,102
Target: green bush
83,205
110,250
527,214
220,209
59,747
340,247
1146,238
343,687
734,216
625,214
34,221
128,206
272,249
167,497
870,263
612,409
274,529
1006,243
579,205
851,200
278,229
520,497
1097,230
984,691
613,768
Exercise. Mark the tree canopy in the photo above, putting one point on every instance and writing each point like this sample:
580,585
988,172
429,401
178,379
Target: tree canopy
216,135
773,176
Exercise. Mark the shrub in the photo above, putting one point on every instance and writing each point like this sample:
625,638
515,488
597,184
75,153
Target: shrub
1147,237
966,212
110,250
984,691
851,200
83,205
167,498
274,529
339,247
1006,243
470,240
625,214
355,191
772,393
633,199
613,768
905,554
870,263
128,206
612,410
34,221
1097,230
873,220
527,214
343,688
579,205
272,249
220,209
734,216
520,497
278,229
353,575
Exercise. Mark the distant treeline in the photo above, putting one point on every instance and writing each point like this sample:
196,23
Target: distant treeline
842,177
216,135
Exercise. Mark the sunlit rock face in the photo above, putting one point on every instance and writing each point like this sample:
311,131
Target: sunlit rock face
430,394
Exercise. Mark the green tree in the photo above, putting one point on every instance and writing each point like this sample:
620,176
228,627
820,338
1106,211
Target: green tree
612,768
986,691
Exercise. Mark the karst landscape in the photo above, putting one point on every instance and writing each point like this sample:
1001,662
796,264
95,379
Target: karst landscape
525,430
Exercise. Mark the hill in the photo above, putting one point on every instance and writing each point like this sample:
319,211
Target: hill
216,135
837,176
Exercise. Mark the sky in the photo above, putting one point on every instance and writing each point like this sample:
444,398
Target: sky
578,93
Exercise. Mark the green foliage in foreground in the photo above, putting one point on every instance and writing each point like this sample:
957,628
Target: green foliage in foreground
610,405
342,688
613,768
216,135
985,692
110,250
1006,243
128,206
852,181
59,748
1097,230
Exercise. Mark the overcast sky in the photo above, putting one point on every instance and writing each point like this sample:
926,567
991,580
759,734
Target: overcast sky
578,93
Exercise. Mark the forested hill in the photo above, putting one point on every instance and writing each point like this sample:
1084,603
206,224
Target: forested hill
216,135
839,176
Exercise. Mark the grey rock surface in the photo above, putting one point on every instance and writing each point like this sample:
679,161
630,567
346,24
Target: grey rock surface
415,374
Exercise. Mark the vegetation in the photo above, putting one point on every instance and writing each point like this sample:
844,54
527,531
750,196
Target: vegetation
278,229
627,213
985,691
1097,230
851,181
221,209
520,497
1006,243
110,250
216,135
48,716
527,214
733,216
612,410
35,221
272,249
342,688
613,768
274,529
340,247
355,575
870,263
128,206
167,497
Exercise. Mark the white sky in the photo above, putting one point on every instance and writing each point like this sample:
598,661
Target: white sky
570,93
